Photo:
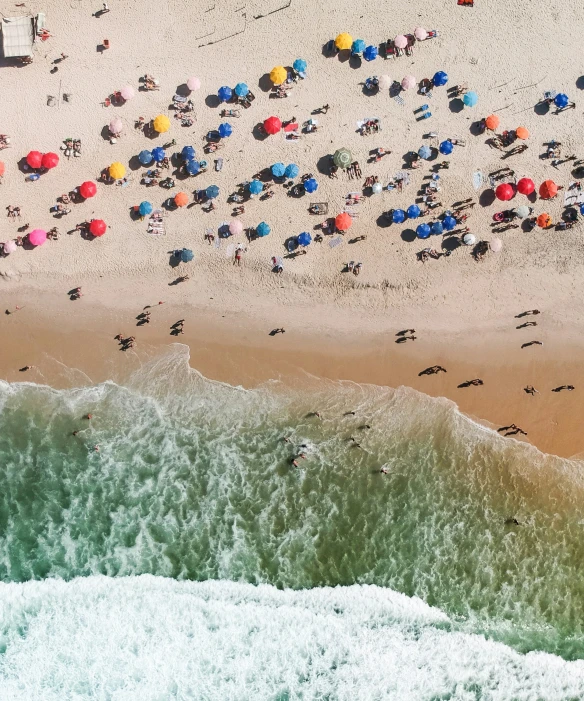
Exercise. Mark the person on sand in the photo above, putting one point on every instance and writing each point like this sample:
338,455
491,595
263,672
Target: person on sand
16,309
532,343
561,387
26,367
88,417
75,433
384,470
530,389
96,449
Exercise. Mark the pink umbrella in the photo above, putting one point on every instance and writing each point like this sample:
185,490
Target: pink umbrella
127,92
116,125
37,237
495,245
193,83
385,82
10,247
401,41
235,227
408,82
420,33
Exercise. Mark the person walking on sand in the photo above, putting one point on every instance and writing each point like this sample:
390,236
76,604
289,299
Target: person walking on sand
530,389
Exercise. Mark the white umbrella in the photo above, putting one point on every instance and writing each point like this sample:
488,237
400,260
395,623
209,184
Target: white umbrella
420,33
400,41
116,125
522,211
469,240
10,247
193,83
235,227
385,82
495,245
127,92
376,188
408,82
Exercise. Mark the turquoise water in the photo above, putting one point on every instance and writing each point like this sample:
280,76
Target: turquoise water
193,482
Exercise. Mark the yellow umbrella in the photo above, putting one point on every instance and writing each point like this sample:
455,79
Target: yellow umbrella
278,75
344,41
117,170
161,123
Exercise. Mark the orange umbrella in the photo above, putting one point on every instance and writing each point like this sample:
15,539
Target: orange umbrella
548,189
181,199
522,133
544,220
343,221
492,122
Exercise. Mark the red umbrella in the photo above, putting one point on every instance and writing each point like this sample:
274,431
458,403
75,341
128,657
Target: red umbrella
548,189
87,189
505,192
343,221
34,159
272,125
50,160
525,186
97,227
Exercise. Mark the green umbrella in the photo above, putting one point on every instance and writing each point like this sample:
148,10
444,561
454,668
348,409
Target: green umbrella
343,158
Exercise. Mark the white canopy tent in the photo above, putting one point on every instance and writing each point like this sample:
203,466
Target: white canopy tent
18,35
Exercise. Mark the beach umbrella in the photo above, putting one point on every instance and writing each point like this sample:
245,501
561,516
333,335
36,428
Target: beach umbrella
495,245
449,223
505,192
437,228
304,238
193,83
255,187
235,227
420,33
186,255
224,94
50,160
548,189
376,188
423,231
492,122
401,41
241,90
408,82
385,82
116,125
225,130
470,99
158,154
37,237
161,124
582,209
446,148
525,186
117,170
145,208
87,189
262,229
272,125
523,211
145,157
398,216
358,47
181,199
212,192
291,171
469,240
342,158
310,185
370,53
188,153
544,220
127,92
192,167
300,65
522,133
10,246
561,100
413,211
440,78
343,221
343,41
97,227
278,170
278,75
34,159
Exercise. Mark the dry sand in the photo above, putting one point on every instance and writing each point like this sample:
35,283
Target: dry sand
338,325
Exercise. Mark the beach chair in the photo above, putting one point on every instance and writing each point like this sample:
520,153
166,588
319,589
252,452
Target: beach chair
399,99
411,42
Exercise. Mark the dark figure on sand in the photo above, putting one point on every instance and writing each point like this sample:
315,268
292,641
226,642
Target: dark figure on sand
433,370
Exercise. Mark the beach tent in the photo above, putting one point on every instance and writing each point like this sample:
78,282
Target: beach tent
18,35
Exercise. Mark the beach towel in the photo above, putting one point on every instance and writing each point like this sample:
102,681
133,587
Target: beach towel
336,241
399,99
468,3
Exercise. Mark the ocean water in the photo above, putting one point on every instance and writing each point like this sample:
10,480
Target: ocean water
188,559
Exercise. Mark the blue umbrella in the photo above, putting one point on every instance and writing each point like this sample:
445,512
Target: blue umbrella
413,211
358,46
145,208
188,153
470,99
449,223
561,100
262,229
437,228
255,187
186,255
446,148
304,238
225,130
145,157
582,209
423,231
424,152
299,65
398,216
241,90
193,167
278,170
370,53
440,78
224,94
310,185
212,191
158,154
291,171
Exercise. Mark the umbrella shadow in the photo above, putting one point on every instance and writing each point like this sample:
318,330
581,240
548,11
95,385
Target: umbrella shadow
384,220
344,56
105,133
134,163
323,165
487,198
259,133
264,83
456,105
541,108
451,243
183,90
291,244
150,132
408,235
173,261
355,62
212,101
